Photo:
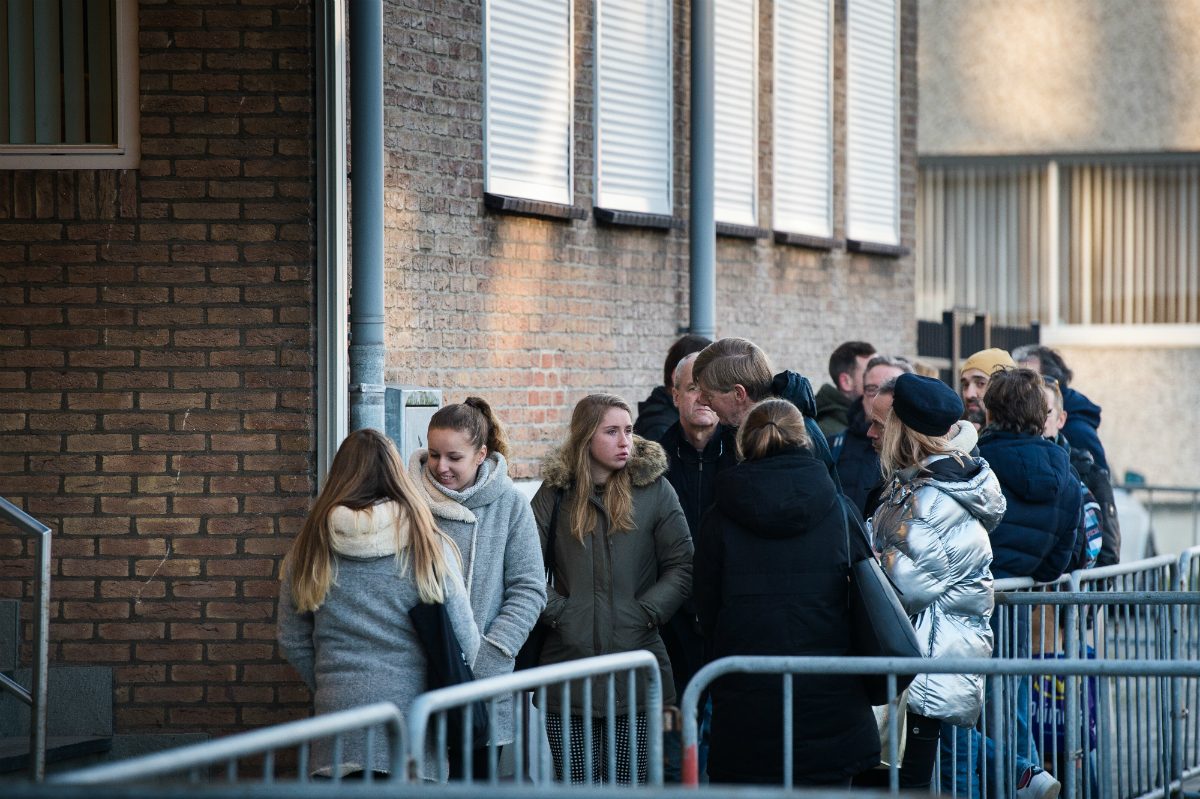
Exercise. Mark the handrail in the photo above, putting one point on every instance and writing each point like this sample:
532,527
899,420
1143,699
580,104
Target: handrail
268,739
35,697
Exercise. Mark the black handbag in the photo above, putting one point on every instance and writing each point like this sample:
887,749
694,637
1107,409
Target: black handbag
446,665
531,651
879,627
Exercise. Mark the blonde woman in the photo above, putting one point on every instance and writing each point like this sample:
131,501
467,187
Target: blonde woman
367,553
931,530
771,566
622,566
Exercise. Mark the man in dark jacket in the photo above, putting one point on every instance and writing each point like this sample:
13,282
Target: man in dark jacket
854,451
847,365
1083,416
1037,535
734,374
657,412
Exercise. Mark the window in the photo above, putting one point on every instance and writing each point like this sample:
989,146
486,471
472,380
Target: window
69,85
803,144
735,112
528,99
872,130
633,105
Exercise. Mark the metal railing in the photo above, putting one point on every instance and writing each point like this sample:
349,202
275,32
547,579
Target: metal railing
1162,671
35,697
575,675
190,760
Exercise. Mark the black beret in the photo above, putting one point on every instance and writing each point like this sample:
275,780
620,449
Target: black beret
926,404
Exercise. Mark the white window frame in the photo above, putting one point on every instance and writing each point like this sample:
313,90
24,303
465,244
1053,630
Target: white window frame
530,190
126,152
726,214
788,220
663,204
858,229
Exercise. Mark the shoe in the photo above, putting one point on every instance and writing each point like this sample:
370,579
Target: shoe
1038,784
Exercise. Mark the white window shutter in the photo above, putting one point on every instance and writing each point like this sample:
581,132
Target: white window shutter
736,112
633,105
872,124
527,65
803,147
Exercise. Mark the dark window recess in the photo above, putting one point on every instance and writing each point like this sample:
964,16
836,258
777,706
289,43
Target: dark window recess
741,231
872,248
607,216
811,242
536,208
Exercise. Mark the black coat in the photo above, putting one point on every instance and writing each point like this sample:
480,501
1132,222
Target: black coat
655,414
857,461
796,389
1037,534
770,579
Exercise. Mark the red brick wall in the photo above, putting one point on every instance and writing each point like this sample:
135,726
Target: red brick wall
490,304
156,371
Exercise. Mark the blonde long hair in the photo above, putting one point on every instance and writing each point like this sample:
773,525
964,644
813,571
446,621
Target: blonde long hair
576,452
903,447
366,469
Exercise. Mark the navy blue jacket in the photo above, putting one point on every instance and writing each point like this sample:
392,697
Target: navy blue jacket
1037,534
1083,423
797,390
857,461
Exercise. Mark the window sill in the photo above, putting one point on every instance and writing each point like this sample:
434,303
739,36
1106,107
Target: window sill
608,216
806,241
1121,335
504,204
874,248
732,231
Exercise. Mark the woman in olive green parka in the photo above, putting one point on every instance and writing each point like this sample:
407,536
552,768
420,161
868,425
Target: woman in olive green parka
622,567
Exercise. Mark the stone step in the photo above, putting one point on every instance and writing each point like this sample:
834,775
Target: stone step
80,703
14,750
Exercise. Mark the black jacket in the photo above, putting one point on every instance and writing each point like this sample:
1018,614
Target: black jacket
797,390
655,414
857,461
693,476
1037,534
770,579
1097,480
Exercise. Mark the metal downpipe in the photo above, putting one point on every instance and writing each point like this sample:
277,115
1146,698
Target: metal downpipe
702,227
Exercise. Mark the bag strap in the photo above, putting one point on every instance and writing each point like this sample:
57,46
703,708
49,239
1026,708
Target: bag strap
558,495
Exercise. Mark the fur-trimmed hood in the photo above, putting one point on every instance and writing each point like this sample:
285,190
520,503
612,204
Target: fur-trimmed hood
647,463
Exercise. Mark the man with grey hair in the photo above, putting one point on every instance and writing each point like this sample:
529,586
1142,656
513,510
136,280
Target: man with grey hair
855,451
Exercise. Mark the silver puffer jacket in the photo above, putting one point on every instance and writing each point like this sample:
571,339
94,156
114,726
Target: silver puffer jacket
931,531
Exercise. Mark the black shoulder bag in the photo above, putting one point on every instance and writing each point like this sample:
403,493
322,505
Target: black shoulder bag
531,650
446,665
879,627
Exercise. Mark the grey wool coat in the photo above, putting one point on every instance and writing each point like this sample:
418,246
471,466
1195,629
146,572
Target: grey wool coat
612,590
360,647
502,563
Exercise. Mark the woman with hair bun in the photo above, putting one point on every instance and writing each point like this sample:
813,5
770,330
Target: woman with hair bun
770,579
463,478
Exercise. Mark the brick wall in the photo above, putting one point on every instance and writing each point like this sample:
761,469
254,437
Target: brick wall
533,314
157,342
156,371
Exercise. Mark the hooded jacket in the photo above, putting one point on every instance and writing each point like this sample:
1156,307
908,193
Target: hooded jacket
833,410
857,460
1037,534
1083,425
360,646
655,414
612,590
771,571
797,390
495,531
1098,482
931,531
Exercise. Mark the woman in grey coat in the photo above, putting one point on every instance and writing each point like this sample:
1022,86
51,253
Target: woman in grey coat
367,553
931,530
463,479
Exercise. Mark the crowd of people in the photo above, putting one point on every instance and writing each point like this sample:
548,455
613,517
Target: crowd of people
722,521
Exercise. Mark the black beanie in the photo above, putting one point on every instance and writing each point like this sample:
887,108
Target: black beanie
926,404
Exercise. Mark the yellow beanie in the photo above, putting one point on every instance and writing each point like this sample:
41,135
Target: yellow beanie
988,361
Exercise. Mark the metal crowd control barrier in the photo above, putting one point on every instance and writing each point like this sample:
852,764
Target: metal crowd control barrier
1150,574
228,751
575,675
1003,782
35,697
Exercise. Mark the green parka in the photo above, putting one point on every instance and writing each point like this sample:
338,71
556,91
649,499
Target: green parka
611,591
